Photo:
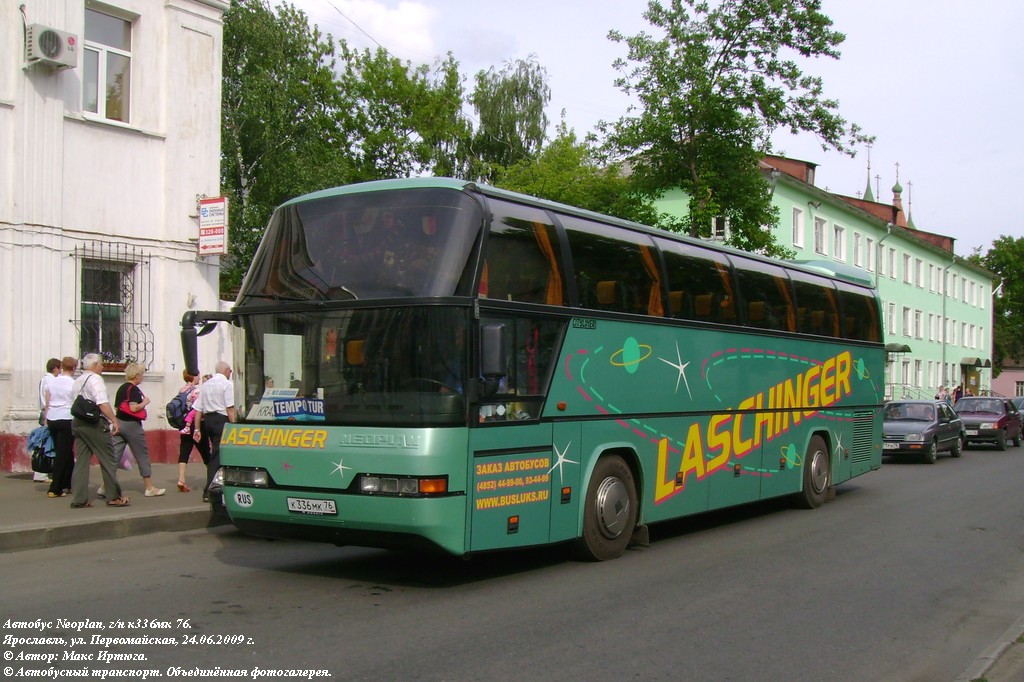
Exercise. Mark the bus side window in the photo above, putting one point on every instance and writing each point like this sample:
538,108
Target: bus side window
860,313
766,289
699,282
816,295
522,261
616,269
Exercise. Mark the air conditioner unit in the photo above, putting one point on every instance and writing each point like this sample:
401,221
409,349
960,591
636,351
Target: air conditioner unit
49,46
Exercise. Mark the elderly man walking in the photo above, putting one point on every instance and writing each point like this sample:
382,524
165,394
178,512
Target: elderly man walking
214,408
94,438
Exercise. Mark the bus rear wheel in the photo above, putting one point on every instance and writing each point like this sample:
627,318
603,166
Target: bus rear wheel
817,474
610,511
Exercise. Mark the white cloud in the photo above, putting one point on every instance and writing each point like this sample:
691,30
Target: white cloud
404,30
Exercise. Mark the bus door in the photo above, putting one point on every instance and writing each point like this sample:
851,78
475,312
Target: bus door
510,485
739,481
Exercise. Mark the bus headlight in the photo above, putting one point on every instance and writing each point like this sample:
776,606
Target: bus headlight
402,485
246,478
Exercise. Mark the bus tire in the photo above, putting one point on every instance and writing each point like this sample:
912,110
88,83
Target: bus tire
609,512
817,475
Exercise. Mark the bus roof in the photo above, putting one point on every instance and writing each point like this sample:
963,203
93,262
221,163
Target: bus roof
829,269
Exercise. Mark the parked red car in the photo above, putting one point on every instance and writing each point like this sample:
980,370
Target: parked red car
988,419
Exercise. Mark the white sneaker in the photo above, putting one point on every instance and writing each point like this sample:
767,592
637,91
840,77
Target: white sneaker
155,492
100,492
39,478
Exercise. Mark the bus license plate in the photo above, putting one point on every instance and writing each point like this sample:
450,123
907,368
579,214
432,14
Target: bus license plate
307,506
890,446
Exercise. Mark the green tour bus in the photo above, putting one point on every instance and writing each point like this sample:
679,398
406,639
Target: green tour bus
435,363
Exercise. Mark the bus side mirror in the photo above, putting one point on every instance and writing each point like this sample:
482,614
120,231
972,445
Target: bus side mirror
189,350
493,357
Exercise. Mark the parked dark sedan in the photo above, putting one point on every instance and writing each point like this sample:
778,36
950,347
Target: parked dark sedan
988,419
921,427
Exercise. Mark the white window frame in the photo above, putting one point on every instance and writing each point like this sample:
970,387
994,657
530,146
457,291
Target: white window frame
918,325
820,243
892,263
869,250
798,227
858,261
919,273
892,319
906,322
103,54
720,229
907,274
839,242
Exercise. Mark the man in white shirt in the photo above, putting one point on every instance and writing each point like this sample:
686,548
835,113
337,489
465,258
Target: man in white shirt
214,408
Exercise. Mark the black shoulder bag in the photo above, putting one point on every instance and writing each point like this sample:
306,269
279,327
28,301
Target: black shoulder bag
85,409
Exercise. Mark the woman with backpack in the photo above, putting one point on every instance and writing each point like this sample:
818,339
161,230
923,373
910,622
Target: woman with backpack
190,391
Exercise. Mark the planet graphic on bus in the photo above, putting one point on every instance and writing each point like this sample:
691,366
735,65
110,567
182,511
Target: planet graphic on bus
629,356
791,456
861,369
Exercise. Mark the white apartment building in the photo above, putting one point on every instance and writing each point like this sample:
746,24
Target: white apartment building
109,135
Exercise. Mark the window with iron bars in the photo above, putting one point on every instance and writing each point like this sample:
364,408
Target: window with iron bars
114,303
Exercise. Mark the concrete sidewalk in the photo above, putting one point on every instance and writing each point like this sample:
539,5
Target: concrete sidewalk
31,520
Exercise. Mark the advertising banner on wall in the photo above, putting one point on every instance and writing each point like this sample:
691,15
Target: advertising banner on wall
213,226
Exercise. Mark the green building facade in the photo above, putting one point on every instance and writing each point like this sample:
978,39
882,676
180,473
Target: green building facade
937,306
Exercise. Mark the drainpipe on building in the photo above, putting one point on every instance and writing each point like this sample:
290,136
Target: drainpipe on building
945,321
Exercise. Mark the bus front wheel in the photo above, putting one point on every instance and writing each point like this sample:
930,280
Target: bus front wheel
610,512
817,474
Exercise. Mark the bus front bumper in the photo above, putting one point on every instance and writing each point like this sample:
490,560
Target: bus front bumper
361,520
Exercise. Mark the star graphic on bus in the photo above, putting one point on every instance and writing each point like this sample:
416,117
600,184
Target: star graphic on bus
561,460
681,366
340,468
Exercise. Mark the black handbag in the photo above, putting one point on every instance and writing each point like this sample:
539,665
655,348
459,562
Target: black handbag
41,464
85,409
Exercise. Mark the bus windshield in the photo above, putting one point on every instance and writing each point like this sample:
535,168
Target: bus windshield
383,244
393,366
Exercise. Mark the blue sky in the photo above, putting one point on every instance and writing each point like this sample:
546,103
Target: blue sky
939,85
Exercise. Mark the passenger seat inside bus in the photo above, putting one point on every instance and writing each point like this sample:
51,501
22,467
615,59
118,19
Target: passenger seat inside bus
606,294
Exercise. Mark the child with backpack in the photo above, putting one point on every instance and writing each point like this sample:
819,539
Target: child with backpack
180,415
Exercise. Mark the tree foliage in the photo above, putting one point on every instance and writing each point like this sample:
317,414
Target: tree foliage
711,90
279,131
402,120
1006,259
301,113
569,171
509,104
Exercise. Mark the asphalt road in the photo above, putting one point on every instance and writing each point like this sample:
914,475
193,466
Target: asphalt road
908,575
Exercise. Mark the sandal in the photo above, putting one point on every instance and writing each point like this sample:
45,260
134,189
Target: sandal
183,487
80,505
119,502
52,494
